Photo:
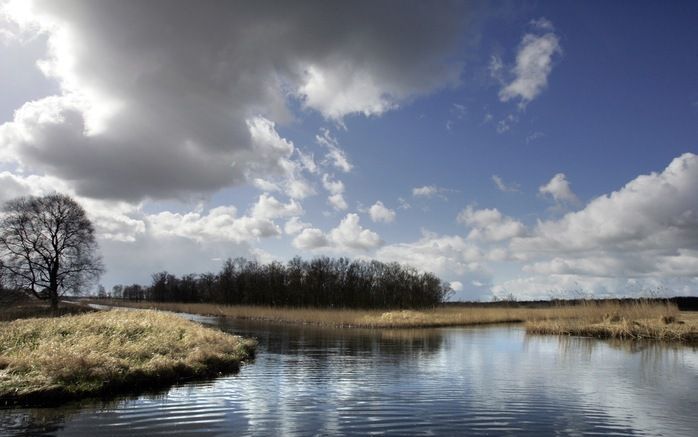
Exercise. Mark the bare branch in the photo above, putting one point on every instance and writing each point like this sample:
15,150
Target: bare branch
47,245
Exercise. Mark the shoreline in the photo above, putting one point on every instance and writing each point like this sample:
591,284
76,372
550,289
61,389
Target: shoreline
683,329
598,319
107,353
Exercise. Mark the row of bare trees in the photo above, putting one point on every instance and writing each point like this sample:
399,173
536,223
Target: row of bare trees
48,247
322,282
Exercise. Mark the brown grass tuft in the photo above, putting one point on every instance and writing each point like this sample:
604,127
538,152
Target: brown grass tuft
106,351
637,320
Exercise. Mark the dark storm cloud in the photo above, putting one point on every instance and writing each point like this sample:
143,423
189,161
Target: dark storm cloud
158,95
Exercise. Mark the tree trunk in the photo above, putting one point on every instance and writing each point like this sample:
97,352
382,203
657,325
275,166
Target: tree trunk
53,289
54,300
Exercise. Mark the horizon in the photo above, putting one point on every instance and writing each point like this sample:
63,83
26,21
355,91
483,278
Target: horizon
536,150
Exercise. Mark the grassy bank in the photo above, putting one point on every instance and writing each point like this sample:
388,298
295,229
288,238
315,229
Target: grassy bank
669,325
346,317
104,352
634,317
17,305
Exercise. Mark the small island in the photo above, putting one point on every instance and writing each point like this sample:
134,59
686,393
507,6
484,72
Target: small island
54,359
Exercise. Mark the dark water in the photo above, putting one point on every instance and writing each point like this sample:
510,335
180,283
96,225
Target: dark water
492,380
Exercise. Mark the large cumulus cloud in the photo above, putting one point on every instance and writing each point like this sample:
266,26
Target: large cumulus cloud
639,239
162,98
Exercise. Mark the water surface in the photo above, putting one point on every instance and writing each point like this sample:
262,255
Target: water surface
484,380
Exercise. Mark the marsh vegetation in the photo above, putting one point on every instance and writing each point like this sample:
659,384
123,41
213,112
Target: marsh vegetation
632,319
637,321
103,352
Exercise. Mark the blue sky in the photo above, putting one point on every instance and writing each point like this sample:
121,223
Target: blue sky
533,149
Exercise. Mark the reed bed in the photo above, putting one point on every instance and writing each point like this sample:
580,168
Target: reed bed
633,321
104,352
638,317
346,317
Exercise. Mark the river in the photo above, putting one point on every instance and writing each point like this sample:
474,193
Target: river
476,380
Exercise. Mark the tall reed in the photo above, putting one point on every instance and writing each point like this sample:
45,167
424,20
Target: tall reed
588,312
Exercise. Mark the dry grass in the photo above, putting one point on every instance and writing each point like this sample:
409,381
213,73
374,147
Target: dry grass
17,305
349,318
37,309
103,352
634,320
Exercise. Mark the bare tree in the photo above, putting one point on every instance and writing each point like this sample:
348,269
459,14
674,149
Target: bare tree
48,246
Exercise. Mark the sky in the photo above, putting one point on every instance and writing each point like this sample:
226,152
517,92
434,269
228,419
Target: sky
531,150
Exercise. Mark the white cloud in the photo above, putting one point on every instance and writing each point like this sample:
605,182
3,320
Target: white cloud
449,256
336,190
502,186
268,207
113,220
559,189
490,224
220,224
265,185
442,254
425,191
308,161
339,90
655,211
294,225
298,188
267,140
429,191
534,62
337,201
275,153
348,236
647,232
380,213
335,155
310,239
331,185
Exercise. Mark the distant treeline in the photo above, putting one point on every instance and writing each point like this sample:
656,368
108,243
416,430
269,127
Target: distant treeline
322,282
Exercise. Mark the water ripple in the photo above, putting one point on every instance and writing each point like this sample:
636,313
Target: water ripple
493,381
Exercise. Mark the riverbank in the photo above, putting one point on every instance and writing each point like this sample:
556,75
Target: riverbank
346,318
55,359
17,305
681,327
637,319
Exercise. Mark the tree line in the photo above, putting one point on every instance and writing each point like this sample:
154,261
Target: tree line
321,282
